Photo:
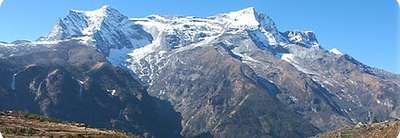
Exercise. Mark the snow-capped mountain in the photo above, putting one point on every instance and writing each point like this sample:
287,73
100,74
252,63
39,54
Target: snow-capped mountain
233,74
105,26
111,31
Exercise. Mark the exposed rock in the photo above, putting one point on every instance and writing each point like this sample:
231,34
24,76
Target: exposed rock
70,82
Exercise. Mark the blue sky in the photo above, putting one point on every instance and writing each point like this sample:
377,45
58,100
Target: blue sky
365,29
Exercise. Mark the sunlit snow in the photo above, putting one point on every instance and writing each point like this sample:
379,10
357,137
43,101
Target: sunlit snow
13,81
118,56
113,92
335,51
398,136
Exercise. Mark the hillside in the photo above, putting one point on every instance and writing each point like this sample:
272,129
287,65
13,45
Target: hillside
376,130
16,124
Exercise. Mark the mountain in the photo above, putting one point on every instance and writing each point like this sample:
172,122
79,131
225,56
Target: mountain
106,26
74,82
228,75
25,125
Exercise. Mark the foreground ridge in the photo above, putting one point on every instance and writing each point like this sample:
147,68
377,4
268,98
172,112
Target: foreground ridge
387,129
18,124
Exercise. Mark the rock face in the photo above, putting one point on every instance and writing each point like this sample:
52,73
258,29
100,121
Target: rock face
74,82
229,75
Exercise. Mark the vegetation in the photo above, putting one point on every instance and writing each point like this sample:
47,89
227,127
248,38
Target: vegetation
37,117
20,124
388,129
21,131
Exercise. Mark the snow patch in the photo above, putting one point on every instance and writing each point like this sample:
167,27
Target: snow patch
140,53
243,100
13,81
293,99
113,92
290,58
335,51
162,92
81,83
266,38
244,57
386,102
118,56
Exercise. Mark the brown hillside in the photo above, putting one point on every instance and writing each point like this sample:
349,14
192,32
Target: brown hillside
16,124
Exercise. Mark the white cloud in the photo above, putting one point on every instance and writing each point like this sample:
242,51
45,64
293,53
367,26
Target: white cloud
398,2
1,2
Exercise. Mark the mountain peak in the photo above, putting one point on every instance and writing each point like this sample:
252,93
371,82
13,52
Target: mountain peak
82,23
105,7
105,26
305,38
246,11
243,17
102,10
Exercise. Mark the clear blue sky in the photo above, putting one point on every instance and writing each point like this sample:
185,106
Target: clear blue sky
366,29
